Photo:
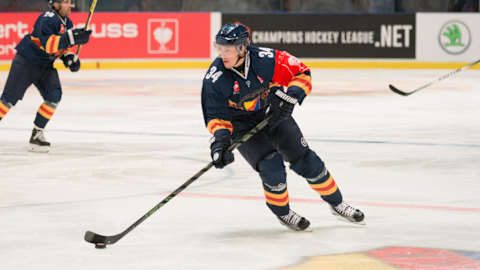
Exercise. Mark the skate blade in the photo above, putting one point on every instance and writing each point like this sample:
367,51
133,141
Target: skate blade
361,223
38,149
307,230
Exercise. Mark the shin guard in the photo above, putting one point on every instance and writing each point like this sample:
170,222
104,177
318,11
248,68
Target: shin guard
313,169
44,114
274,178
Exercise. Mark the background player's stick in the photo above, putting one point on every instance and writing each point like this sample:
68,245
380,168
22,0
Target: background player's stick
406,93
102,241
87,24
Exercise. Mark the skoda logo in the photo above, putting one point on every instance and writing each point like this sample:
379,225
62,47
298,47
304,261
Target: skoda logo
454,37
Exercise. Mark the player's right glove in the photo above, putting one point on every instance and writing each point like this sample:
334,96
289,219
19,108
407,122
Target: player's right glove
219,152
70,63
77,36
281,107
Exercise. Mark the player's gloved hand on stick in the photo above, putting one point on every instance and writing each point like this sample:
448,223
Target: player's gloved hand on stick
281,107
219,152
78,36
70,63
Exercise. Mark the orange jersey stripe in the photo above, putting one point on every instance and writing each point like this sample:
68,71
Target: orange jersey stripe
52,44
37,42
57,42
305,80
302,83
303,76
217,124
274,85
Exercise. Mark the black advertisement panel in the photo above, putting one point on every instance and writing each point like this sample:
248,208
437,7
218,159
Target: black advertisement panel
333,35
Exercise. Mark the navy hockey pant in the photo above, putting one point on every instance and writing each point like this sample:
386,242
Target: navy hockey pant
23,74
266,152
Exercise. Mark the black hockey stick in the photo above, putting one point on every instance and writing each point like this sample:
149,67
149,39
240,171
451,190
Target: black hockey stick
87,24
102,241
405,93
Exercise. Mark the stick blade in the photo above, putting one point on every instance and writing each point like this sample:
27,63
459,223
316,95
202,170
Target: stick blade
95,238
398,91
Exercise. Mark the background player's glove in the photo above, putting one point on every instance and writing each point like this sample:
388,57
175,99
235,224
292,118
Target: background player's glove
281,107
69,62
78,36
219,144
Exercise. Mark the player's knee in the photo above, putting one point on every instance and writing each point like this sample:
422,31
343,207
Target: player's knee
9,100
54,97
6,103
309,165
272,170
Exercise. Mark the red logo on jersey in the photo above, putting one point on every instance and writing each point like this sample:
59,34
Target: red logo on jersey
236,88
62,29
260,79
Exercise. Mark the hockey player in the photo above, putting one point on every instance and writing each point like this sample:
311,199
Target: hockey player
243,86
52,36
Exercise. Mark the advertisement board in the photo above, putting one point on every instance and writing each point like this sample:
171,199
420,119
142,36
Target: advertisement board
118,35
448,37
333,35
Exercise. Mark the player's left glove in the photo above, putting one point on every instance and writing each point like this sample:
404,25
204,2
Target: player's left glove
281,107
78,36
219,152
70,63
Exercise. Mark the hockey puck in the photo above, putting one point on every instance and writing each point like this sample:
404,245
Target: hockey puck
100,245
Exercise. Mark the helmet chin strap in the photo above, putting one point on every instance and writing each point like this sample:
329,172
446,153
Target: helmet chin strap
240,57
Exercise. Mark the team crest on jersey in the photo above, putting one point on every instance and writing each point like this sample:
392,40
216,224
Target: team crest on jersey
62,29
236,88
293,61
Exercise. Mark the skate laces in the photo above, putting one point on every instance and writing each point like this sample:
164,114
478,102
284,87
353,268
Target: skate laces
39,135
291,218
345,209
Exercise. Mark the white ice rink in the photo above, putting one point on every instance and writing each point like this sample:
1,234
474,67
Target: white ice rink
123,139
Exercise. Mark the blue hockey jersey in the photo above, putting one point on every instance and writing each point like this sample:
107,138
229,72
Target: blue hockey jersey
227,93
46,42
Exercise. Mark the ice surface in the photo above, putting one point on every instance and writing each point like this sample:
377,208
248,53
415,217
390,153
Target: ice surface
123,139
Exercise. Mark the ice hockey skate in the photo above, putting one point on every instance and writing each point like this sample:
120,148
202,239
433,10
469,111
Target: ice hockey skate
38,144
348,213
294,221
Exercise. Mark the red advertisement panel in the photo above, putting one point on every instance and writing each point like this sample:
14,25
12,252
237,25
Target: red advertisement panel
122,35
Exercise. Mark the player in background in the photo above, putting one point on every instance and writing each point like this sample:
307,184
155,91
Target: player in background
243,86
52,36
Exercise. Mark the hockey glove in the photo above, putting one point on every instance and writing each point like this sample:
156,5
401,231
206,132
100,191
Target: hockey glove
219,152
281,107
78,36
69,62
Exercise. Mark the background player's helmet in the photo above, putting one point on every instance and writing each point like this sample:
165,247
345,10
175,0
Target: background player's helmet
50,2
233,34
